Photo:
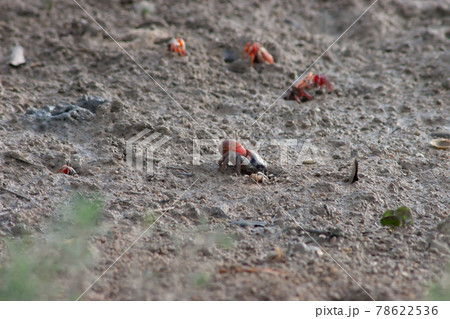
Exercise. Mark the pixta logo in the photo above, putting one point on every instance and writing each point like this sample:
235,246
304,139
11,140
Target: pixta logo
288,152
141,149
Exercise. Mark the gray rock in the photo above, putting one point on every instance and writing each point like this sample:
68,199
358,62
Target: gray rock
60,112
90,102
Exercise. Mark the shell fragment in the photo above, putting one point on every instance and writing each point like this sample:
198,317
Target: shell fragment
17,56
441,143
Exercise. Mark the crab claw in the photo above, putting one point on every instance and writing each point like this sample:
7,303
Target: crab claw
263,55
321,80
232,145
246,50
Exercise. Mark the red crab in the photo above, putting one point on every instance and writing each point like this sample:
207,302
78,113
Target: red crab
67,170
256,51
246,161
177,45
298,92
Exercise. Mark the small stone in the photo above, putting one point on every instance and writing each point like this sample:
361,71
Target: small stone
163,129
309,161
290,123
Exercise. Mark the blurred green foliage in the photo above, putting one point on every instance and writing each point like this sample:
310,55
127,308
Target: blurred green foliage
48,267
402,216
441,289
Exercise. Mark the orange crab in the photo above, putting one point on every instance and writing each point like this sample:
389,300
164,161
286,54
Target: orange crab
298,92
258,53
177,45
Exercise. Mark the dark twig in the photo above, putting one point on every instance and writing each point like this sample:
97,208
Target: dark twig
183,170
354,173
14,193
329,213
247,223
330,234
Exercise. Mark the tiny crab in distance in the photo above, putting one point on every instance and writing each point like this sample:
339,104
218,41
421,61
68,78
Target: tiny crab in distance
245,161
177,45
67,170
298,91
258,53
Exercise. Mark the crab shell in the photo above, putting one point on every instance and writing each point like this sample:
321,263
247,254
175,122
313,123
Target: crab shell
238,159
256,161
264,56
441,143
232,145
177,45
68,170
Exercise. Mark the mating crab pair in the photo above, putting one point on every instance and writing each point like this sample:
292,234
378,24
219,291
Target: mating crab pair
245,161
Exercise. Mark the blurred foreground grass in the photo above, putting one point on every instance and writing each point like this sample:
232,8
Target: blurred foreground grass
441,289
50,267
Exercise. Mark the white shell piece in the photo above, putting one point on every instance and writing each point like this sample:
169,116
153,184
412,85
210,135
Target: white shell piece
256,158
17,56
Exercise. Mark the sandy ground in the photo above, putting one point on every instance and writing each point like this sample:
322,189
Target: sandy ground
391,81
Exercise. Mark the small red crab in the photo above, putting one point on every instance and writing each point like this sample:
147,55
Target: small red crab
298,92
177,45
67,170
246,161
256,51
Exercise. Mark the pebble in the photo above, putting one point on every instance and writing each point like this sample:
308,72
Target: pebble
309,161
